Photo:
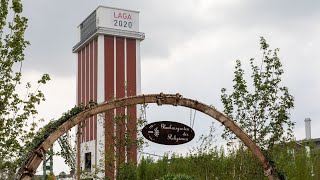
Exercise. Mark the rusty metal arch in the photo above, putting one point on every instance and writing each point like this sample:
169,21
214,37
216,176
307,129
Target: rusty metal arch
28,169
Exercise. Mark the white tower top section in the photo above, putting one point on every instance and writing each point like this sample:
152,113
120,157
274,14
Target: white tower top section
110,21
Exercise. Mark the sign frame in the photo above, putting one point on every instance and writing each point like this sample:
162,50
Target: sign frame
168,133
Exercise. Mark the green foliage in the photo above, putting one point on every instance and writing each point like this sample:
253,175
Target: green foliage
141,171
44,132
128,171
264,112
177,177
16,127
298,160
50,177
295,162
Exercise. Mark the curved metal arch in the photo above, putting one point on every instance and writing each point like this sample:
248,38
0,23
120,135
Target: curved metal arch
27,171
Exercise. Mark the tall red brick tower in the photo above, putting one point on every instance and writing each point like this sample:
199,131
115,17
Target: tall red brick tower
108,58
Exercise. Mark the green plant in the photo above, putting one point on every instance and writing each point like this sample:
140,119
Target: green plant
264,112
17,113
177,177
44,132
50,177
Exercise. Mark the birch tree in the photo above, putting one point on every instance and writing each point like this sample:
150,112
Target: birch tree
263,108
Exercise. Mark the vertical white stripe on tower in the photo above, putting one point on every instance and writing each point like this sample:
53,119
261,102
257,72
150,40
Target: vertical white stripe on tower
138,76
138,83
125,95
138,67
77,79
77,103
115,66
100,98
125,67
85,91
89,89
93,83
100,76
115,95
81,93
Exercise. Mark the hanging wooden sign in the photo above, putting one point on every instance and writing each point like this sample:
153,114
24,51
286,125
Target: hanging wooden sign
168,133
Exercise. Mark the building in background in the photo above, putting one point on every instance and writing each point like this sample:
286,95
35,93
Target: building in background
309,140
108,60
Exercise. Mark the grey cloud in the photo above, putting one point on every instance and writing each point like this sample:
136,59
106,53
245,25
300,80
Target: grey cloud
52,32
271,13
232,32
167,24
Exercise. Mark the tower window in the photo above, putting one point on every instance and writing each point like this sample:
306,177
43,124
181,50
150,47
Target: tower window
87,161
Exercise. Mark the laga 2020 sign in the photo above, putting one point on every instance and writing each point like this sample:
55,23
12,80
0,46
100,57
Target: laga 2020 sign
119,19
122,19
168,133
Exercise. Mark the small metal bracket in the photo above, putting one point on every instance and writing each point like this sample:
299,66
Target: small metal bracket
144,99
39,153
43,150
160,99
268,172
178,97
28,172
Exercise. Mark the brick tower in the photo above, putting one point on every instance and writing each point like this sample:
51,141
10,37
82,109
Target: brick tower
108,67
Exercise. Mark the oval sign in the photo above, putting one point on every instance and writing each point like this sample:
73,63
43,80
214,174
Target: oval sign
168,133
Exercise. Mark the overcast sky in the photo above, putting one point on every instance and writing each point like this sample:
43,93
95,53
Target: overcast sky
190,47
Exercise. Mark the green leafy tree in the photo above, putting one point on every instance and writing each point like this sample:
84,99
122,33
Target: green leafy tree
50,176
177,177
262,110
15,110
